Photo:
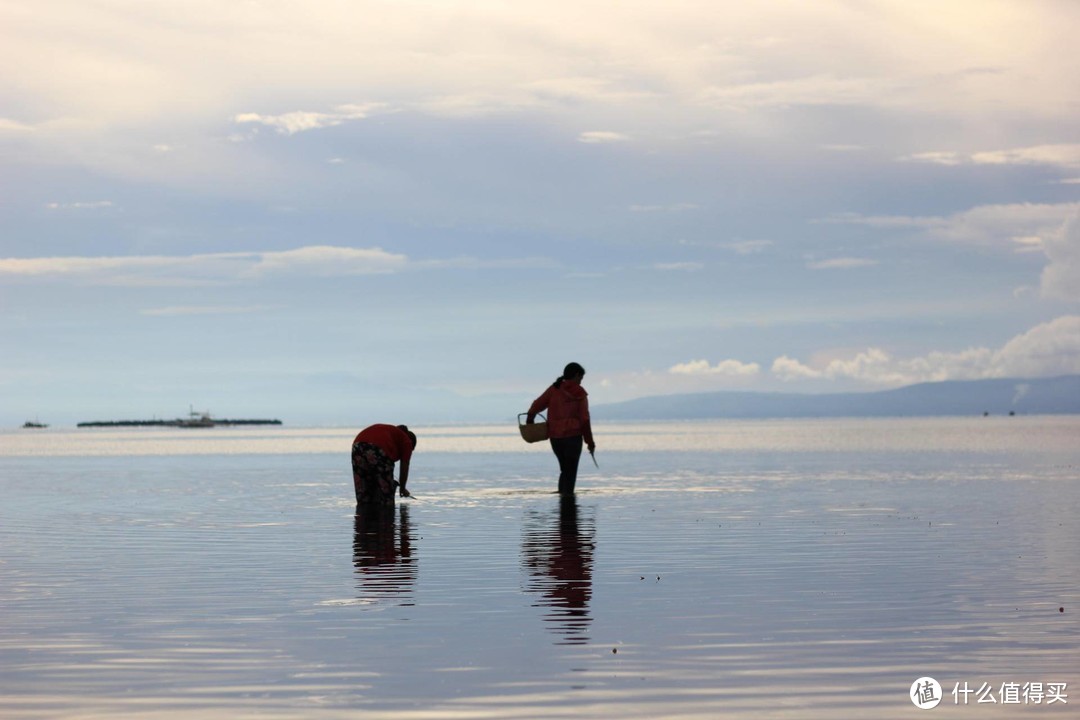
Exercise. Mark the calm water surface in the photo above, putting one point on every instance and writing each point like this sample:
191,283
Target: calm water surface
792,569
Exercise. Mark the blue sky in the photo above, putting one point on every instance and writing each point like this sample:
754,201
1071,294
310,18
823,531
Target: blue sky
420,211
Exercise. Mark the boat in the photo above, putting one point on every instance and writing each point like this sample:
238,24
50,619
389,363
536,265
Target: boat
34,425
196,420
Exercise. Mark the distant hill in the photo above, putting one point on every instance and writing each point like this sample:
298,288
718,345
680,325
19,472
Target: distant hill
1060,395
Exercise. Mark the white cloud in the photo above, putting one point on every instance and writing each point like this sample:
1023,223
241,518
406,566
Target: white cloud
82,205
211,268
883,221
1062,155
672,208
232,267
842,263
1049,349
327,260
842,148
748,247
183,310
1022,227
788,369
465,262
731,368
936,157
300,121
1006,225
679,266
1061,278
602,136
13,126
822,89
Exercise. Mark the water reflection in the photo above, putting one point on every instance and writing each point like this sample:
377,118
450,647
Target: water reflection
382,553
557,556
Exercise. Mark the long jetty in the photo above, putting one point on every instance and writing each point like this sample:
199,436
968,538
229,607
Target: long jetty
177,423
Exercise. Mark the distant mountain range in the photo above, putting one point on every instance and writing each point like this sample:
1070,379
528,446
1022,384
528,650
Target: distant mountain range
1059,395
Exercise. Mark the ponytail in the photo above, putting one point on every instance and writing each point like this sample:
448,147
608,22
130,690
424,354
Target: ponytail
570,370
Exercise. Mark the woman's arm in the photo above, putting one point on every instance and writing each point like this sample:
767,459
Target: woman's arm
403,478
586,425
540,404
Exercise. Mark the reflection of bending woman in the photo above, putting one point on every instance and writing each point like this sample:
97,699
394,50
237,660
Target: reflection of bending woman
374,452
382,553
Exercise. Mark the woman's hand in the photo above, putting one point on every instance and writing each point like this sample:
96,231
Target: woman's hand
404,493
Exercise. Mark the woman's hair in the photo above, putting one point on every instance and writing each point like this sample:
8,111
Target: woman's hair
569,371
412,436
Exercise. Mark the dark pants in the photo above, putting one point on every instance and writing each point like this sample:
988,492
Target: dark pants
568,451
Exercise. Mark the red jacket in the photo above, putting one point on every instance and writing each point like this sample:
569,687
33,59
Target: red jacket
391,440
567,411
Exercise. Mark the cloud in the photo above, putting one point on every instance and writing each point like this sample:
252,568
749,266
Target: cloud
1062,155
301,121
679,266
602,136
465,262
672,208
211,268
748,247
739,247
882,221
83,205
1046,350
327,260
14,126
234,267
789,369
842,263
1061,278
1049,349
182,310
820,89
1024,224
730,368
1053,229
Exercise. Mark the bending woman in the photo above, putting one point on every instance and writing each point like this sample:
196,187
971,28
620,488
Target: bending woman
567,406
374,452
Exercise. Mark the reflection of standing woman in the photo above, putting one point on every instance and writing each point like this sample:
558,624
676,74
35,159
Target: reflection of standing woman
567,406
374,452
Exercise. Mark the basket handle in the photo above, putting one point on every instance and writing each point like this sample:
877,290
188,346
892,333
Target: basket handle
525,415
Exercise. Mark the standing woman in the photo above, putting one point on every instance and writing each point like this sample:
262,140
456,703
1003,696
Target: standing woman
567,406
374,452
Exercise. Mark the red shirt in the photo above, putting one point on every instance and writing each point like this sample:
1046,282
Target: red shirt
392,441
567,411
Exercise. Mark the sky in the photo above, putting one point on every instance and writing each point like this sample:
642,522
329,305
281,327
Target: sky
340,213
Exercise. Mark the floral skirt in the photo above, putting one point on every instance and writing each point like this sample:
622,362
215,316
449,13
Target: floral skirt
373,474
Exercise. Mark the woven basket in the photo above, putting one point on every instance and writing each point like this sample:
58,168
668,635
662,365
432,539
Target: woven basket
532,432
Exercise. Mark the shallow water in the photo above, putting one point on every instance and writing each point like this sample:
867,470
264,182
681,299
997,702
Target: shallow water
803,569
